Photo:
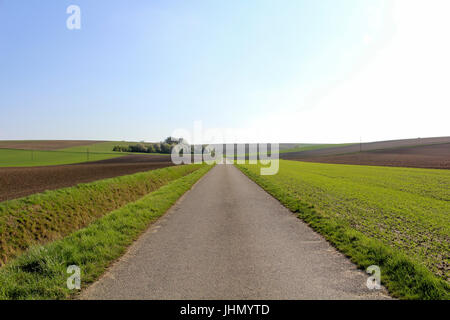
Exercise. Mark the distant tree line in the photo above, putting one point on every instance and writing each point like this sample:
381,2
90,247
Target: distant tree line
165,146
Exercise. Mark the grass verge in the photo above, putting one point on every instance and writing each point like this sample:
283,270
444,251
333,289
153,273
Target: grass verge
41,272
352,223
48,216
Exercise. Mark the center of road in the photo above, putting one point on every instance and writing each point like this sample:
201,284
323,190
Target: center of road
228,239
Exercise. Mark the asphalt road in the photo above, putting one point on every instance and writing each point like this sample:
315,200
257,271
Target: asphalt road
228,239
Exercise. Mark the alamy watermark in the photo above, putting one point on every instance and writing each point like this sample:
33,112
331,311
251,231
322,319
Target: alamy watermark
74,281
210,146
374,281
73,22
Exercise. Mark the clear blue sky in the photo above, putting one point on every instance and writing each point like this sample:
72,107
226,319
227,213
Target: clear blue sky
140,69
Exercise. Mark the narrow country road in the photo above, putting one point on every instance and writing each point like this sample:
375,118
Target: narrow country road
228,239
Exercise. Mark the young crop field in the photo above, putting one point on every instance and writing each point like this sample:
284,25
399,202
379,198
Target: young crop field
107,147
45,144
375,215
34,158
11,157
100,147
307,147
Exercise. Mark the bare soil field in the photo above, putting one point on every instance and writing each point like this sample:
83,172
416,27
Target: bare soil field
45,144
21,182
371,146
429,156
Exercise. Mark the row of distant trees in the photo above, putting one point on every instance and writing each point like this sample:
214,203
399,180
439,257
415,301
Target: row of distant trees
165,146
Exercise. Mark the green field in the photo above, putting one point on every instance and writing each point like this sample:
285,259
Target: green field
100,147
393,217
307,147
107,147
33,158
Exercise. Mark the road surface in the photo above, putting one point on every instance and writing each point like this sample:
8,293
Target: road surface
228,239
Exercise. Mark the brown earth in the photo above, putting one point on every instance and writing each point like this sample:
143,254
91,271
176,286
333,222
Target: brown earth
429,156
45,144
370,146
21,182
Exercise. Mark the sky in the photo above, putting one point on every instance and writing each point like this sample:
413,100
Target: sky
259,70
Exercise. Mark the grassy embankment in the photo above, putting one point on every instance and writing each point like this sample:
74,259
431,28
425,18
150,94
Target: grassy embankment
41,273
396,218
48,216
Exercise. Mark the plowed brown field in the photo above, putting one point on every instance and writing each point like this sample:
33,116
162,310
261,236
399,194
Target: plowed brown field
20,182
431,156
369,146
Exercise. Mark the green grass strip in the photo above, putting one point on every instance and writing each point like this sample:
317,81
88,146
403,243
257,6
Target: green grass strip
48,216
404,277
41,272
